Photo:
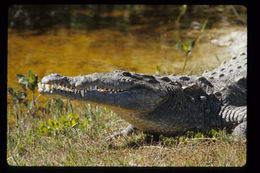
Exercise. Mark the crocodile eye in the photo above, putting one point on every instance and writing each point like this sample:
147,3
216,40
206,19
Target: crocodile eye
166,79
152,81
126,74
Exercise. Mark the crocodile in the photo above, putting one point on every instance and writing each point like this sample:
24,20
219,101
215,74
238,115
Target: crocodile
164,105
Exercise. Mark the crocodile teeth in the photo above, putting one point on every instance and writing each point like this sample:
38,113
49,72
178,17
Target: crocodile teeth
47,86
40,87
82,93
64,89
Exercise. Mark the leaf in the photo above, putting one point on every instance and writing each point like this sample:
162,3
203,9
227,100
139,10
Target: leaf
186,46
23,81
63,119
49,122
108,110
32,77
190,134
193,43
213,133
198,135
73,123
180,47
11,91
73,116
32,80
43,129
26,104
76,116
185,141
85,123
19,76
20,95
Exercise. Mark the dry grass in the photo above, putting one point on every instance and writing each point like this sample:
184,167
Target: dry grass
87,147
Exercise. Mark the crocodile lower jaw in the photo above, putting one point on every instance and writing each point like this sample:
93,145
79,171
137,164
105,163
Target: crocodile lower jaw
57,89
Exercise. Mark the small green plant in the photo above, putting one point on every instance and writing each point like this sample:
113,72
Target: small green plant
199,135
18,96
169,141
186,47
213,133
174,141
61,125
28,82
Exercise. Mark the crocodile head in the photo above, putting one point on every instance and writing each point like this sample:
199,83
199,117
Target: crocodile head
126,90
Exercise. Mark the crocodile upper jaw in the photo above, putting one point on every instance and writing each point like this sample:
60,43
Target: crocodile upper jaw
98,90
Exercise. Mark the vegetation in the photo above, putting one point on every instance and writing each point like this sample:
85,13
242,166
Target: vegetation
72,134
186,47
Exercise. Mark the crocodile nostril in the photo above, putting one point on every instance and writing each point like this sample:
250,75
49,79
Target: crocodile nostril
126,74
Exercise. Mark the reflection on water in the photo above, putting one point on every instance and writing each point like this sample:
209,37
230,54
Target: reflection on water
78,40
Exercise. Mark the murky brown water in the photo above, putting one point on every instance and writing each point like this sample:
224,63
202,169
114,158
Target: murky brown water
141,46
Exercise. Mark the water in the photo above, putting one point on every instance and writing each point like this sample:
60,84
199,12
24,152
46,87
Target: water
78,40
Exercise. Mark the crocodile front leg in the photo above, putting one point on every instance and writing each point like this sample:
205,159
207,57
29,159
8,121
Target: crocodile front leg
128,130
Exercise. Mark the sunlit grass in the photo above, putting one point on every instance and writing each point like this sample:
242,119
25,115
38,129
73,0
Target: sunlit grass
86,145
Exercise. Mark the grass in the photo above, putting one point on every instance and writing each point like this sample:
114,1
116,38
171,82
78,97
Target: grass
86,146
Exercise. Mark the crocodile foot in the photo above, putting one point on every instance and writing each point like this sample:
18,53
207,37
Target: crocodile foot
128,130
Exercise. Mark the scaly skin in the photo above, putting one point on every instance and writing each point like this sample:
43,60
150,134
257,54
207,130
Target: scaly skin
168,105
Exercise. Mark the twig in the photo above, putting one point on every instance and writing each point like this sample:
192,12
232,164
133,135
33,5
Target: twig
237,15
213,139
184,65
217,59
36,100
